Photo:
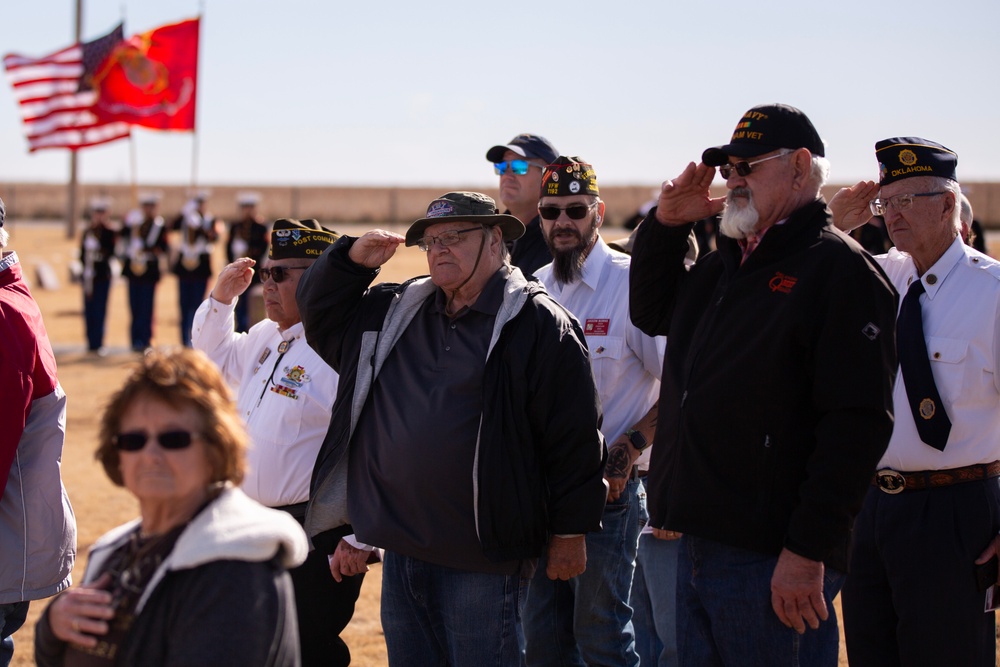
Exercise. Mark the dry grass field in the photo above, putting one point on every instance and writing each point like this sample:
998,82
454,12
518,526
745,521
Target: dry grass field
88,381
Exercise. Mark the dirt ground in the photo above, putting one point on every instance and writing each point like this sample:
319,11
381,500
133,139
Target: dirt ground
88,381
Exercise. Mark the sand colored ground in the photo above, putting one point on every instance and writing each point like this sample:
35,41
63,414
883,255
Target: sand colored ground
88,381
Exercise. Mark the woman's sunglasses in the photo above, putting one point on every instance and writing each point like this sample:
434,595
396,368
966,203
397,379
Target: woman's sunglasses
134,441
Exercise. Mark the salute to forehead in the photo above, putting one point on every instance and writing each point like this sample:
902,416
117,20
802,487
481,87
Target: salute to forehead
755,175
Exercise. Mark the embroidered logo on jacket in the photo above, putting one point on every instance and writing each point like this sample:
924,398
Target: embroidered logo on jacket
782,283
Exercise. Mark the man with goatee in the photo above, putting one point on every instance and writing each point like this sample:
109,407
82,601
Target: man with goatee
586,620
776,394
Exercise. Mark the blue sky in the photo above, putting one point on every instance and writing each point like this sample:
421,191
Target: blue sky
317,92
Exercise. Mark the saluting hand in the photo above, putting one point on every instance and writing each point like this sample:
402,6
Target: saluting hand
850,205
233,280
686,198
375,248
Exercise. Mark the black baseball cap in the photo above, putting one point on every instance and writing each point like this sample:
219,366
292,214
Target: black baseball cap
465,207
527,146
906,157
764,129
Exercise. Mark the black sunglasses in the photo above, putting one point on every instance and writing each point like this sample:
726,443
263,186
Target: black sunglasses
573,211
136,440
744,168
279,273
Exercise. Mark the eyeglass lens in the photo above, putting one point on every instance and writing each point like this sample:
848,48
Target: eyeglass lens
136,440
899,202
445,239
743,168
519,167
573,211
279,273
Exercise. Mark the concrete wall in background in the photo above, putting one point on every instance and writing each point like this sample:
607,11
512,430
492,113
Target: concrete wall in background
330,205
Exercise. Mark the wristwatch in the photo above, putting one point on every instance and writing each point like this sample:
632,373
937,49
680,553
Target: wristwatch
638,440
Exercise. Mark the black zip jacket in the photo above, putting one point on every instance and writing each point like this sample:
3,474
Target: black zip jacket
776,398
541,454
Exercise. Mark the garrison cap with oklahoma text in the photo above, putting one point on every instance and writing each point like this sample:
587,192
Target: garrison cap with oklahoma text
465,207
567,176
905,157
299,239
527,146
764,129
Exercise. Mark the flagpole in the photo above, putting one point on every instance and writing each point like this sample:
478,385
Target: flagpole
194,132
71,195
134,169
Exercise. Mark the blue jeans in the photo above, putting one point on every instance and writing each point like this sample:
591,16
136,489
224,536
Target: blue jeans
11,619
435,615
587,620
725,615
654,601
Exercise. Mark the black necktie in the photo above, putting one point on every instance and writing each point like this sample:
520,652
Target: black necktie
932,422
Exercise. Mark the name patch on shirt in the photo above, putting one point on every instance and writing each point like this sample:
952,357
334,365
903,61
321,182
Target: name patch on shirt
596,327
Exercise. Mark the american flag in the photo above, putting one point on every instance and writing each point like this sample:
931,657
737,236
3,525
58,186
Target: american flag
56,96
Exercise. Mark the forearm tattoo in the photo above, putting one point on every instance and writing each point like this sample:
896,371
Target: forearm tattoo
619,463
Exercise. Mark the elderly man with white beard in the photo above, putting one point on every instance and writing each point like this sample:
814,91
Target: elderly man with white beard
776,394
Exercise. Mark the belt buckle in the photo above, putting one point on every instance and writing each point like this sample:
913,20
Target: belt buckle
890,481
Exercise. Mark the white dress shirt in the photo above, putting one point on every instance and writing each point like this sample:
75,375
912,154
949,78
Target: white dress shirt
286,404
627,363
961,315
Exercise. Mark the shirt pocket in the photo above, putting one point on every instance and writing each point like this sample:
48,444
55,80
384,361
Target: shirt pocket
605,355
948,363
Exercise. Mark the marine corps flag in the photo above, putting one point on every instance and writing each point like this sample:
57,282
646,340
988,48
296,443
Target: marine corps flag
151,79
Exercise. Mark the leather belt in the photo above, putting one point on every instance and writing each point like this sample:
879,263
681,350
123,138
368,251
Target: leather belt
892,481
298,510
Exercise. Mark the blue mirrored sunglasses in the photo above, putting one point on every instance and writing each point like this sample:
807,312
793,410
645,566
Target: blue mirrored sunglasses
519,167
